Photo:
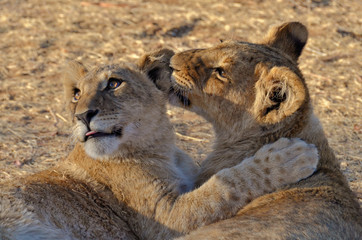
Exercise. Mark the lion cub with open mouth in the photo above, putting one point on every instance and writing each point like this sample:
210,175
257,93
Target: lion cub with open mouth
126,179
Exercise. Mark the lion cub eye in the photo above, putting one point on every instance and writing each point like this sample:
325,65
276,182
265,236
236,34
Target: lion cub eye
220,73
76,96
114,83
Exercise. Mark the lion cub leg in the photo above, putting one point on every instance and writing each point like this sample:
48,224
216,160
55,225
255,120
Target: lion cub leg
283,162
274,165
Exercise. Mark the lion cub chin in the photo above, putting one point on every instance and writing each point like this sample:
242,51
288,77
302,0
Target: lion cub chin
125,178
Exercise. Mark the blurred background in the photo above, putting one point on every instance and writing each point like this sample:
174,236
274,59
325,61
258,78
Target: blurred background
38,37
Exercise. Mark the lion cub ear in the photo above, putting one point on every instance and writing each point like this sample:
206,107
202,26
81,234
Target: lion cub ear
279,94
73,72
290,37
156,65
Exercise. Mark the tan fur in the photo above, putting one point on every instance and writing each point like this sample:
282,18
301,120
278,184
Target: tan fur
125,178
283,80
254,94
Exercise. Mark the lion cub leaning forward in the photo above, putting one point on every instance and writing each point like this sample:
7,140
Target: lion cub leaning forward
254,94
122,181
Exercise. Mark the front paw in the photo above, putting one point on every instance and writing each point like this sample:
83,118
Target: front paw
288,160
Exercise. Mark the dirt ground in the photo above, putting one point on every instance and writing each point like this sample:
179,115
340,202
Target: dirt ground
38,37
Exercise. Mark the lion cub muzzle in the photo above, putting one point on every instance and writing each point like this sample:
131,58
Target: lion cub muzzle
180,87
86,116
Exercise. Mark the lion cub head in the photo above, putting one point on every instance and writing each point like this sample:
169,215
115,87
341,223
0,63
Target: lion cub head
250,83
116,109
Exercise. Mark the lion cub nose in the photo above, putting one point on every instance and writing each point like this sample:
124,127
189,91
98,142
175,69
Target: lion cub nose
87,116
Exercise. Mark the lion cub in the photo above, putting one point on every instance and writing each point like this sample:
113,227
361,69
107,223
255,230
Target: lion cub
121,181
254,94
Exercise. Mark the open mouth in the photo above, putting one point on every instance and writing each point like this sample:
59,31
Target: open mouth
94,134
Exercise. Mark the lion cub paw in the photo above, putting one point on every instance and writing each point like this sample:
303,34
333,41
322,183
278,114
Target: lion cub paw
288,161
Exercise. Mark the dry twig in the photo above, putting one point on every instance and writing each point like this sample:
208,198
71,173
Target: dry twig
191,138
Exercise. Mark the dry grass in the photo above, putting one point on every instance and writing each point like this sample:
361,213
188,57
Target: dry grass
38,38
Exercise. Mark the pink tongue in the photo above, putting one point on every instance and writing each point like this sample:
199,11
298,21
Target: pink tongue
90,133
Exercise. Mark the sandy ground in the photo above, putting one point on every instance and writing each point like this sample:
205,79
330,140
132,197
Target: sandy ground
38,37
